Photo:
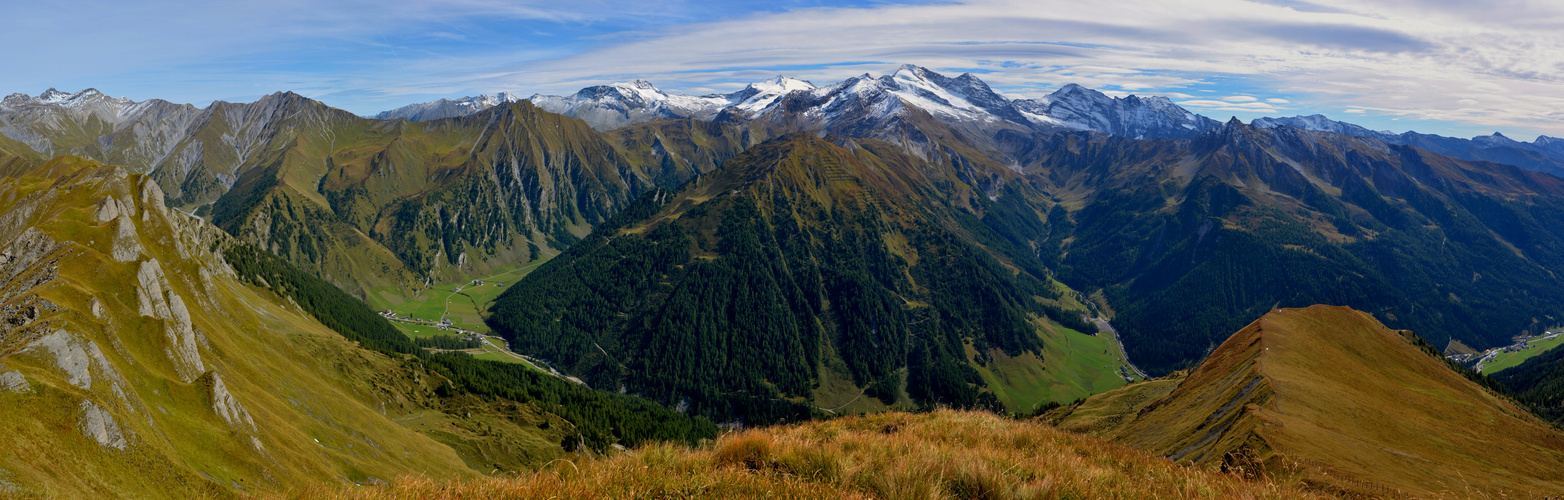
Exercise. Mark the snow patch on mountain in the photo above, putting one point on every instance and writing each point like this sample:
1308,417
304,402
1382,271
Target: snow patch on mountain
865,99
761,95
1081,108
448,108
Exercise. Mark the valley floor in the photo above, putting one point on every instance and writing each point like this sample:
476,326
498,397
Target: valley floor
1501,358
945,454
461,305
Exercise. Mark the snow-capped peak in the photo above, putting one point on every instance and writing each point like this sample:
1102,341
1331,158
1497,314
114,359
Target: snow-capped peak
965,98
1075,106
67,99
782,84
446,108
760,95
1497,139
53,96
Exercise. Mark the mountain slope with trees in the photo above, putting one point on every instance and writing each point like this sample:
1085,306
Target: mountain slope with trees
800,260
146,353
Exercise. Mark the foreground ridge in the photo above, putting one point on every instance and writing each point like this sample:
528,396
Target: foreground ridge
891,455
1331,396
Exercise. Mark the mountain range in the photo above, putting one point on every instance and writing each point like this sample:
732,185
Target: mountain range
785,252
1147,210
965,98
447,108
145,352
1545,154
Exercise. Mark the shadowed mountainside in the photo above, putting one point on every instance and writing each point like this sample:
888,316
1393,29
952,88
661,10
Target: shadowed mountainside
805,261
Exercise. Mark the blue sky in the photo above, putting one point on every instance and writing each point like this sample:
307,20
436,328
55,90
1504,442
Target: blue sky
1441,66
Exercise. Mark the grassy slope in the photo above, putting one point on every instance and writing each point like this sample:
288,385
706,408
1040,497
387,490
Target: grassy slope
944,454
1505,360
465,307
1074,365
313,396
1338,400
324,409
1344,381
1104,414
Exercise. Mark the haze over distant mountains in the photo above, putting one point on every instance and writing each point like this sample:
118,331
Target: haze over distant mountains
965,98
1063,182
790,250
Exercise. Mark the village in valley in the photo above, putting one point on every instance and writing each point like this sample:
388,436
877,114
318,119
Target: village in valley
457,310
1500,358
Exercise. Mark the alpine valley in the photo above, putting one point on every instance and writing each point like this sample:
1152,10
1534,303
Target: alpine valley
191,297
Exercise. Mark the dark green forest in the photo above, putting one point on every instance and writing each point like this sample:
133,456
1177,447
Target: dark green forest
1538,382
601,418
1182,281
741,300
447,342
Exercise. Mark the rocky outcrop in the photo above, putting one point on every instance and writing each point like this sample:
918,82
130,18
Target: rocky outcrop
229,408
126,246
71,356
152,200
14,382
98,424
25,263
156,299
150,282
110,208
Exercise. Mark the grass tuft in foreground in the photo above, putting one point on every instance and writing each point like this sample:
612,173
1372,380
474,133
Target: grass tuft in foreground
945,454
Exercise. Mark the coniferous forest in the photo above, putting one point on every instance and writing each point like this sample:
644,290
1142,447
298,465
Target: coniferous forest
601,418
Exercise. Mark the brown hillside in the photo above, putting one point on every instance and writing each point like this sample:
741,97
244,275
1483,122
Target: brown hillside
1333,395
945,454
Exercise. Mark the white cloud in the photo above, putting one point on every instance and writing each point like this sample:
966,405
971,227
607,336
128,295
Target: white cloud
1409,56
1214,105
1493,65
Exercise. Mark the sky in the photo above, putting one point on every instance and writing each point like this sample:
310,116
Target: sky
1450,67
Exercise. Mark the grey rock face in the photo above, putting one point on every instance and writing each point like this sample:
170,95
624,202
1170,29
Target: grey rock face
448,108
150,283
14,382
156,299
70,355
229,408
1080,108
108,209
126,246
19,263
98,424
1544,155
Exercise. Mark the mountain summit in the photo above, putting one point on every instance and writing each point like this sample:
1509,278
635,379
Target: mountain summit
1332,395
447,108
1081,108
965,98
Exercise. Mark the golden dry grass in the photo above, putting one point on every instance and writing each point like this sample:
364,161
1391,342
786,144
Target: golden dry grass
945,454
1330,397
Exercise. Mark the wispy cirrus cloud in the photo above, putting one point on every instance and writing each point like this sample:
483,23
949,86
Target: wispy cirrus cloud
1448,67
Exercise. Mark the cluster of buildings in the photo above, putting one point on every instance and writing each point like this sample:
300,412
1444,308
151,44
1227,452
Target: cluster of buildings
442,324
1479,360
